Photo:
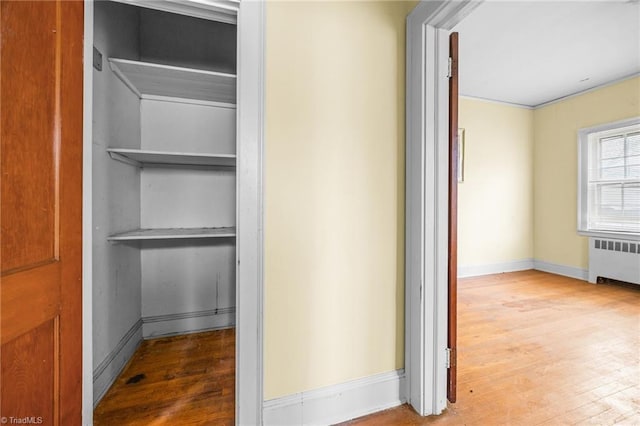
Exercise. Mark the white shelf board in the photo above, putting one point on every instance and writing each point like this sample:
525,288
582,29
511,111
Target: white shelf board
146,78
214,10
173,234
141,157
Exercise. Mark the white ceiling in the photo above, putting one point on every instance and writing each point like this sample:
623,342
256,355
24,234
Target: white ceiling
533,52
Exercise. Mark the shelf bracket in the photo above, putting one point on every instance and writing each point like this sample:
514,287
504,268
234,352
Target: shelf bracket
124,79
123,159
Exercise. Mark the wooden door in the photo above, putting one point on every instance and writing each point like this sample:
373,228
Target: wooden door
41,212
453,218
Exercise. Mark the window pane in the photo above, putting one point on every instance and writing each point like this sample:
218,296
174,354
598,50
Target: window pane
632,207
612,162
610,201
633,144
633,155
612,147
632,197
633,159
611,195
612,168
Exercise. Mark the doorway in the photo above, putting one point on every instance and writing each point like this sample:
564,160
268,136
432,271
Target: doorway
243,206
427,189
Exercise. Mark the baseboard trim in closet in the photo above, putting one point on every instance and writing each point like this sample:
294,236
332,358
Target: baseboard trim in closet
108,370
187,322
338,403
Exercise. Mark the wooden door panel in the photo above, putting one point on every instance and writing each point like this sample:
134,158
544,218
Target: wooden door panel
41,214
30,382
43,305
30,88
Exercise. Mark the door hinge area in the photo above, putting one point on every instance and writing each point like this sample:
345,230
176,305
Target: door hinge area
450,67
448,357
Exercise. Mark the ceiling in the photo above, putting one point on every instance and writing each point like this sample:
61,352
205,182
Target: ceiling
533,52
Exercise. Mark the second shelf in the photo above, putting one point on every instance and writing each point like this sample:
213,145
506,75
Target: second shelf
141,157
174,234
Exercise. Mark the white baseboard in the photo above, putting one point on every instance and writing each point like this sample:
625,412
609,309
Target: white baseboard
495,268
523,265
567,271
107,371
337,403
188,322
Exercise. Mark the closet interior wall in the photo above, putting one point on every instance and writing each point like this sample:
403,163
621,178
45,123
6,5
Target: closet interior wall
150,288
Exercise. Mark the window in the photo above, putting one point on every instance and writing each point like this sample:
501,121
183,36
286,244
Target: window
609,179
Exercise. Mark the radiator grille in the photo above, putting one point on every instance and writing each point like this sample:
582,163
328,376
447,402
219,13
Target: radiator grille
625,247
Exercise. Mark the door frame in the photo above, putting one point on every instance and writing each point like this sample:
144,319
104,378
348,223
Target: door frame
427,181
250,212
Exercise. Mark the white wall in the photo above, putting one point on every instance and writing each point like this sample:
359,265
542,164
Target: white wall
116,194
186,41
189,285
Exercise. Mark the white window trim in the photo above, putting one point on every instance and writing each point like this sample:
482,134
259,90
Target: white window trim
583,177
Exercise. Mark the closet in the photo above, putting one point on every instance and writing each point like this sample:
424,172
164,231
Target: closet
163,179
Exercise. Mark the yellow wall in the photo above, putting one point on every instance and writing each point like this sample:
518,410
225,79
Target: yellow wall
519,198
495,219
334,188
334,192
556,166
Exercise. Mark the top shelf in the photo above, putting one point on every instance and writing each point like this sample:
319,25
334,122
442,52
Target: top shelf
219,10
145,78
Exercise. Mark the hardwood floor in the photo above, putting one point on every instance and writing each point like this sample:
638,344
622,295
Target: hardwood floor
541,349
533,348
182,380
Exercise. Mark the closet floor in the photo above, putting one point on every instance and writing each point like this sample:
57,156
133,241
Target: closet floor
180,380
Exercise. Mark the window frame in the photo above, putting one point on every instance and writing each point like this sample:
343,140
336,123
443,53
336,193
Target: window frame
583,180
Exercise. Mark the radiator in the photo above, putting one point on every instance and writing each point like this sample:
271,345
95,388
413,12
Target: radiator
614,259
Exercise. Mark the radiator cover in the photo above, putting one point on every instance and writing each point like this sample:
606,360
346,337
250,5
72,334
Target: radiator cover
615,259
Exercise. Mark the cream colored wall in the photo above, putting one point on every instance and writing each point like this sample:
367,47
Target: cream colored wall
495,201
334,188
334,192
556,167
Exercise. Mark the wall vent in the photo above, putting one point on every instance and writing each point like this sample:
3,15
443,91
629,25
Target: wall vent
623,246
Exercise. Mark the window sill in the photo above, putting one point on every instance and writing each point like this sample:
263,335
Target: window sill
611,234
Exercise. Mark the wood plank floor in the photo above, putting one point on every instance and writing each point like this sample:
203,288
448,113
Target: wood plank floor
541,349
534,348
182,380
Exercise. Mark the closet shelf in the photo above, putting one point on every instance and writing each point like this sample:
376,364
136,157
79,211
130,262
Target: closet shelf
173,234
145,78
141,157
